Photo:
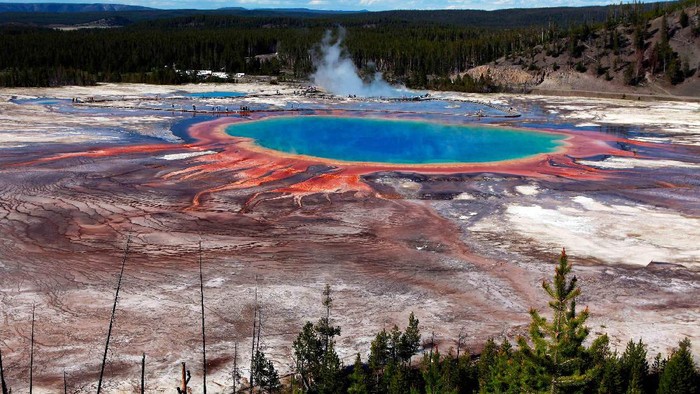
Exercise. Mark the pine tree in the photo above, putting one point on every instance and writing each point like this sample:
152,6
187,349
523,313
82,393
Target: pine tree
324,327
329,379
656,370
308,352
379,351
634,367
264,374
608,378
467,377
317,364
506,373
394,344
358,378
684,20
410,340
555,360
680,376
378,358
487,360
390,356
431,372
396,378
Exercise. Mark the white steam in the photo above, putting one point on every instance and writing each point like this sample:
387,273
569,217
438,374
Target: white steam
337,74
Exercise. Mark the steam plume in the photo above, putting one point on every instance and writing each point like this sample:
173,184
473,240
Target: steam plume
337,74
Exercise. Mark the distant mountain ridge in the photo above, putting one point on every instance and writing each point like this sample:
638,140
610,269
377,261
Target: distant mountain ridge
68,8
293,10
49,14
105,7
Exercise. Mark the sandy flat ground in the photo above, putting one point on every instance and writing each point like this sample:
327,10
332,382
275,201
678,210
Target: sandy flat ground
465,252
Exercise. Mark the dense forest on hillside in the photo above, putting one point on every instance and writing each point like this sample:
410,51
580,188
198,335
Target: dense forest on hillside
653,51
399,43
511,18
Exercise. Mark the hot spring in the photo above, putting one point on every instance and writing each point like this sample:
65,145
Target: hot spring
217,94
355,139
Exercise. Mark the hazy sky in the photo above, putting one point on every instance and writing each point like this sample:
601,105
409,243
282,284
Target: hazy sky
372,5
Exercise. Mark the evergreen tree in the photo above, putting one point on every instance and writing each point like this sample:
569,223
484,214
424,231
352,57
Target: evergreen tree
329,380
680,375
390,356
467,378
674,72
308,351
379,351
264,374
358,378
629,76
608,378
396,378
655,372
487,360
634,367
684,20
436,375
317,365
506,373
410,340
394,347
554,355
378,359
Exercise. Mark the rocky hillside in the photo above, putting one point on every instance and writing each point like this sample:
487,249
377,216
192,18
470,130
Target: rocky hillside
657,55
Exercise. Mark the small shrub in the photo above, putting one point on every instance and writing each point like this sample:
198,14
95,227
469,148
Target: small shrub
600,70
629,77
684,19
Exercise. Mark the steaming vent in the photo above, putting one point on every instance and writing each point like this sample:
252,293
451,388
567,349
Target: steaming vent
337,74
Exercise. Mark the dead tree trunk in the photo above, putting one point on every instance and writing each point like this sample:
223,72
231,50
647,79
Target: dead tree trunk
257,343
252,347
183,389
204,339
111,319
235,374
5,390
31,355
460,339
143,373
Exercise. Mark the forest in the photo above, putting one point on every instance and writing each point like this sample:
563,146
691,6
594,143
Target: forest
407,49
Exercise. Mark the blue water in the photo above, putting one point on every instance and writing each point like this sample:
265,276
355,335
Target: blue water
216,94
394,141
41,101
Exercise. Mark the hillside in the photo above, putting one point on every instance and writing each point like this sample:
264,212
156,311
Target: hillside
48,14
550,48
67,8
655,56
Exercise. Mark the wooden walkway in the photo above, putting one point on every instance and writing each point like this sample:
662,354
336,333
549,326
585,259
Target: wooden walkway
221,110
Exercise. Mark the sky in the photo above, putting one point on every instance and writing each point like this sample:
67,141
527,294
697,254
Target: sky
371,5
